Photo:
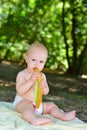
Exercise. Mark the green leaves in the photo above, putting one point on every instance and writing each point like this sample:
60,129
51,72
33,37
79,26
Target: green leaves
48,21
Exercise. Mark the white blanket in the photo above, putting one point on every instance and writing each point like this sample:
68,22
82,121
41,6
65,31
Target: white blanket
12,120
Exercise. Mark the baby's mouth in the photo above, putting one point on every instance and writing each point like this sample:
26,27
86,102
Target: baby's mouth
35,68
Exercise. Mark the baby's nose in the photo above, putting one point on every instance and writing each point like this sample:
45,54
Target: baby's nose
36,64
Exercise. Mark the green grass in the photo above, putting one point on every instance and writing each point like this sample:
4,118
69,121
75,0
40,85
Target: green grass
79,96
2,88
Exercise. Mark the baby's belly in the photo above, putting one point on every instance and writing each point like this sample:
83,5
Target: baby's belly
29,97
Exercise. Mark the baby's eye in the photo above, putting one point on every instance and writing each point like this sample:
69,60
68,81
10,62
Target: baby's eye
41,61
33,59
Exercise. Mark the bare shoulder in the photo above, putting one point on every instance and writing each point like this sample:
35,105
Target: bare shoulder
21,74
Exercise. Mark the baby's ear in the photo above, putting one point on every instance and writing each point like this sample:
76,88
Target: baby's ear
26,58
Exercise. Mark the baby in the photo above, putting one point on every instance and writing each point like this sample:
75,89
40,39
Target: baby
36,57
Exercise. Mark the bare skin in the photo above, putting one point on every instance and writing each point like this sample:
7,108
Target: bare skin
29,115
36,58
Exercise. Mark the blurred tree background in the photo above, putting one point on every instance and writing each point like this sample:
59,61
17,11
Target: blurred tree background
61,25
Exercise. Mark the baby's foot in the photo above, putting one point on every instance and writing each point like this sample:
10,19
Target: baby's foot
69,116
40,121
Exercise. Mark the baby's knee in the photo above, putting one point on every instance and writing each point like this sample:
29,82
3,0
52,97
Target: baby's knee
48,106
52,105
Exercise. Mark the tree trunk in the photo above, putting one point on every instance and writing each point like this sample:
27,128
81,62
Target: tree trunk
65,39
81,59
74,44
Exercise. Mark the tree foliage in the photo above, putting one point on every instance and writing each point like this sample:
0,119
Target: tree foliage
61,25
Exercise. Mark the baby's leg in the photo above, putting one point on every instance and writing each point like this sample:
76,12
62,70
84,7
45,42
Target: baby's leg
25,107
53,110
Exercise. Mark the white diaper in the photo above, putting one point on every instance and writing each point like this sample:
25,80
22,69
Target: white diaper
16,101
38,111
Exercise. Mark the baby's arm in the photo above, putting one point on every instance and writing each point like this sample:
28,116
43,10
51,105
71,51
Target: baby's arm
44,85
23,84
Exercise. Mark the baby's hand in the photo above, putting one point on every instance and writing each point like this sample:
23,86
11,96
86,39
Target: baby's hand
42,84
34,76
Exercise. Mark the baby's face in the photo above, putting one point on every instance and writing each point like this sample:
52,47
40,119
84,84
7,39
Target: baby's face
36,58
